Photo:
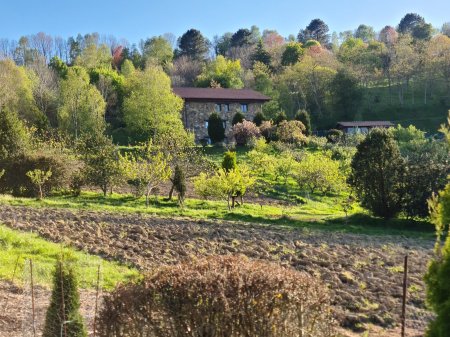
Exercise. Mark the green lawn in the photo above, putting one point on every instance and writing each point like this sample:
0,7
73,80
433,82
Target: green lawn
324,213
16,248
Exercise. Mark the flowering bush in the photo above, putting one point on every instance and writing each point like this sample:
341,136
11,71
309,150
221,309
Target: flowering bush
245,131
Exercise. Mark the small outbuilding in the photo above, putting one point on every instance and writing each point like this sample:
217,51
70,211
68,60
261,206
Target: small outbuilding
362,126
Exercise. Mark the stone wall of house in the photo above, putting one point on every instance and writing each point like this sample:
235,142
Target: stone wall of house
196,114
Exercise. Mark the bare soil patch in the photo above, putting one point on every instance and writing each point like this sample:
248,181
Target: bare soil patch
364,273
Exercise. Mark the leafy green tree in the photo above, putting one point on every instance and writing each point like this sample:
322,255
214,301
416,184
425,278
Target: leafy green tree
365,33
262,79
101,161
39,178
151,108
227,73
157,50
316,30
347,94
216,130
59,66
63,314
378,174
94,56
303,116
14,137
179,182
237,118
193,44
229,161
292,53
259,118
261,54
82,107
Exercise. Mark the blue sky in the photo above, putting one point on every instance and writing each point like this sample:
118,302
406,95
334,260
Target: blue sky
136,19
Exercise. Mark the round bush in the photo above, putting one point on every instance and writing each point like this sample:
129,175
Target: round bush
245,131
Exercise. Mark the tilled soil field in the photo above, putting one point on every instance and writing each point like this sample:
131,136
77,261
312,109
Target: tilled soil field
364,273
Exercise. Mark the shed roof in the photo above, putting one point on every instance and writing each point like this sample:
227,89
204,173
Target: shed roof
365,124
220,94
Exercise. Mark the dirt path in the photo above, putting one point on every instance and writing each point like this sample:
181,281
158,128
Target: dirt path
363,272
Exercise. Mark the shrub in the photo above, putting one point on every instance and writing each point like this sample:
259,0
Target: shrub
317,142
216,131
291,132
334,136
64,307
237,118
16,182
280,117
378,174
268,130
259,118
219,296
303,116
244,132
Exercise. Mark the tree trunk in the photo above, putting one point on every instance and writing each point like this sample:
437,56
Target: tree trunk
171,192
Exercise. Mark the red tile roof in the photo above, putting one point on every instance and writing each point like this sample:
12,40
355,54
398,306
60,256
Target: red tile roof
220,94
366,124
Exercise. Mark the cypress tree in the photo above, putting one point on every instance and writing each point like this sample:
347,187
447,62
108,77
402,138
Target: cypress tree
303,116
281,116
229,161
216,131
179,183
237,118
63,312
259,118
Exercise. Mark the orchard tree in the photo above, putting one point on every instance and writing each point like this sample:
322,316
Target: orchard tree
151,107
82,107
148,169
193,44
291,132
101,161
216,130
39,178
378,174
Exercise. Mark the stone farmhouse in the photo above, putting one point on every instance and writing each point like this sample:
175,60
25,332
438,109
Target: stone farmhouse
200,103
362,126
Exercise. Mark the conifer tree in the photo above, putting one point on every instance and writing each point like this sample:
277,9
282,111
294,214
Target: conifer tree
179,183
63,314
216,131
229,161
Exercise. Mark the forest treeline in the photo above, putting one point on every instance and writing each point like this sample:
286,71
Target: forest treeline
400,73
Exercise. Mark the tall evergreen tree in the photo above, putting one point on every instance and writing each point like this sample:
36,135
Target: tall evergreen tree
216,131
261,54
179,183
63,314
303,116
193,44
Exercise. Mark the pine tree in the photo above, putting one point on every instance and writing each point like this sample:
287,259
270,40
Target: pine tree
63,314
179,183
259,118
281,116
216,131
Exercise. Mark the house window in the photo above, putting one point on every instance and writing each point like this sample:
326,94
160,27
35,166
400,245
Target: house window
206,124
244,107
218,108
224,123
226,107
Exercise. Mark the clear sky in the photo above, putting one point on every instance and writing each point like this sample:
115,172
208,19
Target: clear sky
137,19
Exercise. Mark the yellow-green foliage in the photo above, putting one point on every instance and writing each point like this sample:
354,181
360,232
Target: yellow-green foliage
318,172
226,73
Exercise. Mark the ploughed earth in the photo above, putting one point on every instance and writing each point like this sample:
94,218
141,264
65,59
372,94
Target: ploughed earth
364,273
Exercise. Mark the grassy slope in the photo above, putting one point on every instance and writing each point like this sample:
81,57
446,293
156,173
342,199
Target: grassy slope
322,215
16,247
